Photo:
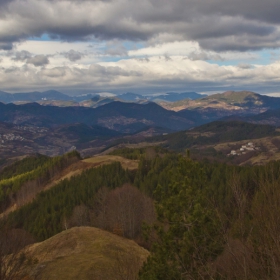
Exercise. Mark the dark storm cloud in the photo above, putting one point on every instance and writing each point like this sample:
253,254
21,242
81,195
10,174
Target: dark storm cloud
214,24
4,2
266,11
7,46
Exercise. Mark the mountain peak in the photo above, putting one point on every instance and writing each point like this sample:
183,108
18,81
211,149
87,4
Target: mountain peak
240,93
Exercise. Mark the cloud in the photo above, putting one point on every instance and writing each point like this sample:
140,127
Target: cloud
10,69
56,72
219,25
21,55
204,56
245,66
38,60
150,45
139,75
115,48
73,55
56,47
6,46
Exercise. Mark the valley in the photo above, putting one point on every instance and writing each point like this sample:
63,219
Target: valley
106,192
51,130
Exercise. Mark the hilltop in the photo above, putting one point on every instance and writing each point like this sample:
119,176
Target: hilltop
86,253
231,101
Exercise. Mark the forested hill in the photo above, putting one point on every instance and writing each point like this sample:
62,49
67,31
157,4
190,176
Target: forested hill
271,117
21,181
215,133
115,115
200,218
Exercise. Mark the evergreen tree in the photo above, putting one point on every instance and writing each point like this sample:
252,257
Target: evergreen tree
188,230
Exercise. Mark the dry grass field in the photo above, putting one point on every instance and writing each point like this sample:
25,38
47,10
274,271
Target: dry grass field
86,253
108,159
78,167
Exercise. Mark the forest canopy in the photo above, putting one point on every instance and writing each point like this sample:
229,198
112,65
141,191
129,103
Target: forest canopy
200,220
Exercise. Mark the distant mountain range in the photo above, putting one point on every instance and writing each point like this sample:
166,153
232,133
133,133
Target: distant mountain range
36,96
168,97
246,101
51,130
174,96
52,95
232,101
33,96
129,117
119,116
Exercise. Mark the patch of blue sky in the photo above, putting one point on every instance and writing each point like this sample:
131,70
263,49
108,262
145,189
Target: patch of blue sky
274,55
44,37
112,58
263,57
129,45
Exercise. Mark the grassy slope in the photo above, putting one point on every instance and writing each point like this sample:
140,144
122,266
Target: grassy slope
228,100
87,253
76,169
108,159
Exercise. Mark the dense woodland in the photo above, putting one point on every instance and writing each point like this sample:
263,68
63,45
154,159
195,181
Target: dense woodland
200,220
213,133
28,176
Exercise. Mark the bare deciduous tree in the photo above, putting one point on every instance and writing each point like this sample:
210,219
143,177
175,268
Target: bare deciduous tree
13,260
122,210
80,217
128,208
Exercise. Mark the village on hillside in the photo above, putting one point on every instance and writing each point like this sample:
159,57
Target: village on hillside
10,137
250,146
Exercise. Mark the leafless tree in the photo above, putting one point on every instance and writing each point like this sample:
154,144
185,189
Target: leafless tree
127,209
122,210
80,217
100,205
13,260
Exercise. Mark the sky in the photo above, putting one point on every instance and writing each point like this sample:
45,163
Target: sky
147,46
